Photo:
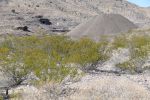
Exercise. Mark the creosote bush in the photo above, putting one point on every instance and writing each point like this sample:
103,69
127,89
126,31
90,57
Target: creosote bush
120,41
1,98
47,56
139,47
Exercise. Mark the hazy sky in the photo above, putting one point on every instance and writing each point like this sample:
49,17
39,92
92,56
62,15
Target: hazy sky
142,3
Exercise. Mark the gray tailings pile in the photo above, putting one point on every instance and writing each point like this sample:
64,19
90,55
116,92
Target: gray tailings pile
102,24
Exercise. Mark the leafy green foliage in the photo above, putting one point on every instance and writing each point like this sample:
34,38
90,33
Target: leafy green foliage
128,65
1,98
120,41
83,51
47,56
139,47
11,63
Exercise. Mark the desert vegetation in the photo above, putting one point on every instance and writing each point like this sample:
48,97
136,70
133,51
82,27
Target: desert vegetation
50,57
139,47
46,56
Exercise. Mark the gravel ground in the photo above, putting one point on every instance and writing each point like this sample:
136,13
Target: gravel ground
95,86
106,86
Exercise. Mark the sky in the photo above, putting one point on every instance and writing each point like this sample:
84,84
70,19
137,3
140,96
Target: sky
142,3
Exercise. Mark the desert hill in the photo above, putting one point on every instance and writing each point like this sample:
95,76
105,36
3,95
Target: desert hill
64,15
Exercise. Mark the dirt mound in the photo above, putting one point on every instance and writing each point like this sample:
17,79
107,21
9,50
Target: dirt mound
102,24
108,88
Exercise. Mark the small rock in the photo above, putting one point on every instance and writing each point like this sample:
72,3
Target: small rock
24,28
45,21
38,16
13,11
37,5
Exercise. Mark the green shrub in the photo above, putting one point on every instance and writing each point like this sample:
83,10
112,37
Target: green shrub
120,41
139,47
83,51
15,96
47,56
1,98
128,65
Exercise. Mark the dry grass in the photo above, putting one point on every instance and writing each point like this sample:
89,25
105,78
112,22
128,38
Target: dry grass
109,88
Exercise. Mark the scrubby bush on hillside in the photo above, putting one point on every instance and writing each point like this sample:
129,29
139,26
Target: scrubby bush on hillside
22,55
11,62
139,46
83,51
120,41
47,56
1,98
